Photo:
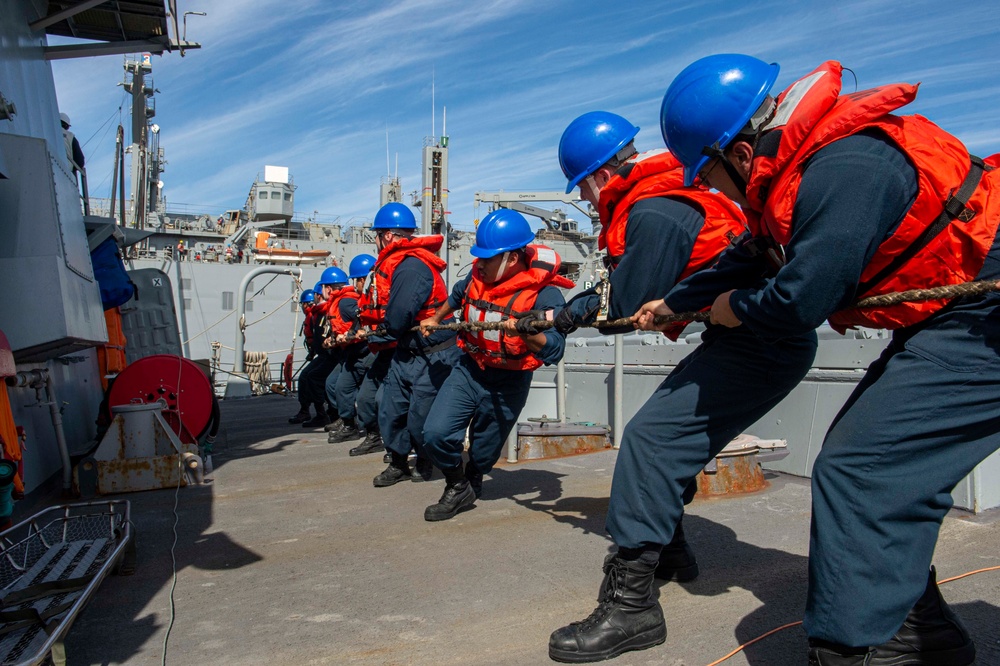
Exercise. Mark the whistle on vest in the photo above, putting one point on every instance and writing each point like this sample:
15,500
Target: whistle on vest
603,290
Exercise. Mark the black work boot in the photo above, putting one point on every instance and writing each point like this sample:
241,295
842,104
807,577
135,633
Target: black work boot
334,424
387,458
347,431
677,560
931,635
627,616
458,495
475,478
822,653
398,470
373,444
317,421
424,469
301,417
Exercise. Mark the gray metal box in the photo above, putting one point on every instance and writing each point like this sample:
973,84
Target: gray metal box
45,267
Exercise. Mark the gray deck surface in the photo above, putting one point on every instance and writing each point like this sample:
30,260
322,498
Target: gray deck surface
291,556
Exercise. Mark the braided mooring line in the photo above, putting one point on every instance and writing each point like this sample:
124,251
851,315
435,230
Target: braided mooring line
937,293
965,289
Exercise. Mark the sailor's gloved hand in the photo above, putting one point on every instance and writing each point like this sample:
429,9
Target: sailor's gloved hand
564,322
525,321
310,356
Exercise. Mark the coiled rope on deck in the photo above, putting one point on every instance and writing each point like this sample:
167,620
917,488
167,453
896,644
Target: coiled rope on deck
258,371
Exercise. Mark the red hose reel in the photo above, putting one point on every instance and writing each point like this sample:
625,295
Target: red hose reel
178,381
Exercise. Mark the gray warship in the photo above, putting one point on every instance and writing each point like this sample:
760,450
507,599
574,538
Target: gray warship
205,308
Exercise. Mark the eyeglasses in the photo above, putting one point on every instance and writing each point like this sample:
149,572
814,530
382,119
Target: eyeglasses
706,172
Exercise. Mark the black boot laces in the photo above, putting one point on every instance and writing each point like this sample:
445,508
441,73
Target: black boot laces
610,593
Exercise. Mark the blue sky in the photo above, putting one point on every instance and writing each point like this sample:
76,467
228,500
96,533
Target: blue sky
315,84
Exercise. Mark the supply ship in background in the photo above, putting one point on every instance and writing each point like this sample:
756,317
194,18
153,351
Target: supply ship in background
185,265
196,301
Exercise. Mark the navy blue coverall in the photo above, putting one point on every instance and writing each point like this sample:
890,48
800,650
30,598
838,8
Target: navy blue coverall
312,379
725,385
925,414
490,399
342,386
370,391
419,366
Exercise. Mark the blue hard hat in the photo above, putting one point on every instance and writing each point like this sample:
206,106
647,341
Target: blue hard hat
360,266
333,275
708,104
501,231
590,141
394,215
308,296
318,289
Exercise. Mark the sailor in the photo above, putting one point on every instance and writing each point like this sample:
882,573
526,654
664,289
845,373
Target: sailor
381,350
74,153
489,386
312,334
314,381
656,232
407,288
865,203
341,300
355,352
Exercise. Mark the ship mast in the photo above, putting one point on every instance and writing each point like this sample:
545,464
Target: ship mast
147,161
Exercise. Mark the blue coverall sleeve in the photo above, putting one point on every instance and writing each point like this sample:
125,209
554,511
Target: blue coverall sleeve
854,192
550,298
659,238
457,296
736,267
348,309
412,285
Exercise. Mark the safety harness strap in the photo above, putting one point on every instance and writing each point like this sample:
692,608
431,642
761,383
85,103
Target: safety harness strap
955,208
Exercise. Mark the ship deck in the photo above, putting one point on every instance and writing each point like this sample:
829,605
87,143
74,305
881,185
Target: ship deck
291,556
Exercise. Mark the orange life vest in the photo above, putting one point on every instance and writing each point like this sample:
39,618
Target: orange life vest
657,173
370,319
338,324
309,325
421,247
496,302
811,114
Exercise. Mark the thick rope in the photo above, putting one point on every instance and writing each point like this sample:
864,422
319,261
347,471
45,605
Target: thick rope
964,290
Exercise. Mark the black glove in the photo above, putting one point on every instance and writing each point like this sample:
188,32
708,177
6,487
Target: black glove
310,356
525,321
564,322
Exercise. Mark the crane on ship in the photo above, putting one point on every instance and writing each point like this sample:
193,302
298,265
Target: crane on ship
556,220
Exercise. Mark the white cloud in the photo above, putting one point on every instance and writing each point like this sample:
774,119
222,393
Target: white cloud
314,89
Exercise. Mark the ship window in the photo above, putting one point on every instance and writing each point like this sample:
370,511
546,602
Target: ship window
262,194
187,303
288,196
295,306
227,300
249,306
275,195
186,283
